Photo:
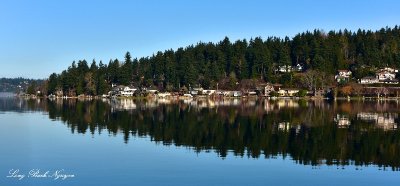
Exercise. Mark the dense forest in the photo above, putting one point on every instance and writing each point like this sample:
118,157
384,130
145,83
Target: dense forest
239,63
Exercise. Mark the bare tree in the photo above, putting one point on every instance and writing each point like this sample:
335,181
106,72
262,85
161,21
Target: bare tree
385,91
310,79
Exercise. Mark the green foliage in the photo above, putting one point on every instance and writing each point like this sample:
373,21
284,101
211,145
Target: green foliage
302,93
52,84
286,79
274,94
31,88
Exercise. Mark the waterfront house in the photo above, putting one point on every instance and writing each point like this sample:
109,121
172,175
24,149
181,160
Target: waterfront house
387,75
209,92
290,92
116,90
127,91
383,75
368,80
59,93
252,92
237,93
186,96
343,75
220,92
232,93
164,95
149,91
268,89
196,91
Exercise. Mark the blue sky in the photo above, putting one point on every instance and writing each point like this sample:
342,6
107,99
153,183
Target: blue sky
45,36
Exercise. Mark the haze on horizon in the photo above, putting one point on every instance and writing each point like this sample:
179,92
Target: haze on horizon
42,37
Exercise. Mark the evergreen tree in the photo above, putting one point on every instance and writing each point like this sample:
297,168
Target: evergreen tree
125,77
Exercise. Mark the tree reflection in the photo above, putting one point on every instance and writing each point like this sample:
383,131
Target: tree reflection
309,132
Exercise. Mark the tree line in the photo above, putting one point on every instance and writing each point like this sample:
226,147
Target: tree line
231,64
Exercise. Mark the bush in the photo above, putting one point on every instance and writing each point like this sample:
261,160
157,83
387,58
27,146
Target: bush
302,93
274,94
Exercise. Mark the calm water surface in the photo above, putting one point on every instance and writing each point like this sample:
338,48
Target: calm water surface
203,142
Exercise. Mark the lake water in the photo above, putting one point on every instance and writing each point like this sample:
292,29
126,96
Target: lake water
203,142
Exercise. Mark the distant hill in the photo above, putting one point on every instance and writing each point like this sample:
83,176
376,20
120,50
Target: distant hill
16,84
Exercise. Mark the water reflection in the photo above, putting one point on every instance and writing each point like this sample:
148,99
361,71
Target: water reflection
386,121
309,132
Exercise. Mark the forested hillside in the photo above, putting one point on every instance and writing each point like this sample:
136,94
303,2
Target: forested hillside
17,84
232,63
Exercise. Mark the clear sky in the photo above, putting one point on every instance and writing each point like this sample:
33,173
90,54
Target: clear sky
44,36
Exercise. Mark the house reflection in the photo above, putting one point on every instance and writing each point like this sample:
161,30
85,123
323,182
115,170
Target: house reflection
286,126
385,121
342,120
290,103
122,104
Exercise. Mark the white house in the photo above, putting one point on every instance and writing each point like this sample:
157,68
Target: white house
209,92
232,93
237,93
164,95
369,80
383,75
298,68
284,68
268,89
288,68
150,90
196,91
343,75
288,92
127,91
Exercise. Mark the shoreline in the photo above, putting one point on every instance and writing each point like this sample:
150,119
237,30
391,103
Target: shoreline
216,98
